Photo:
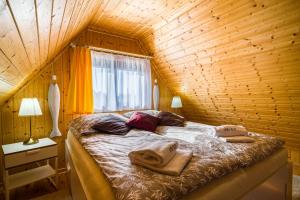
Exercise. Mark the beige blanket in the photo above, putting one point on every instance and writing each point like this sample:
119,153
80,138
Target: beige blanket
212,158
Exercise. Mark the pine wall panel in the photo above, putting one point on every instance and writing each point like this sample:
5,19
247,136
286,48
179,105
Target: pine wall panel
236,62
13,127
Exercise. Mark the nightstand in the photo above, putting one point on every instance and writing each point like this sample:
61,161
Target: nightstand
17,154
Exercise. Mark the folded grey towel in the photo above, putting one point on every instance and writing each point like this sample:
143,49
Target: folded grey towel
156,154
231,130
174,167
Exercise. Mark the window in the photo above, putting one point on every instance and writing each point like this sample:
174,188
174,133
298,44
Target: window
120,82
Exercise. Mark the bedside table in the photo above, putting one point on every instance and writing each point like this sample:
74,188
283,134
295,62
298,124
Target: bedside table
17,154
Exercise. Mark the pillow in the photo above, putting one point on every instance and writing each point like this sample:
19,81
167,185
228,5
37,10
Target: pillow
149,112
143,121
170,119
83,124
112,124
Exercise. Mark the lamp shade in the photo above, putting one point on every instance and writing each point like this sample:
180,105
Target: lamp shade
176,102
30,107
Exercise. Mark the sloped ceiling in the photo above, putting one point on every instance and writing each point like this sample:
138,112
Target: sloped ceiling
32,32
139,18
231,61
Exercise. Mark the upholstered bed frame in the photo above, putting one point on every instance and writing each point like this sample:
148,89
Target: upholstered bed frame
273,183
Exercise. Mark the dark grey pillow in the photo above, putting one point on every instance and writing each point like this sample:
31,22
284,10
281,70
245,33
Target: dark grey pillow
112,125
170,119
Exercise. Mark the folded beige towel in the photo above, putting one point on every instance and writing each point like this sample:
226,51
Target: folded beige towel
174,167
156,154
231,130
238,139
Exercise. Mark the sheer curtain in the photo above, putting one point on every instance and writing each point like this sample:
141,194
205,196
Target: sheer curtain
120,82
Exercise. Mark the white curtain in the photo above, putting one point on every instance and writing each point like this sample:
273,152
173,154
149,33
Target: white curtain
120,82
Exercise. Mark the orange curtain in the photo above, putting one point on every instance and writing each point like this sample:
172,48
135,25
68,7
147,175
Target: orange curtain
80,93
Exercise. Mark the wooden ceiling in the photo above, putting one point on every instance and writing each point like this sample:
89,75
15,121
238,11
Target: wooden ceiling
32,32
138,18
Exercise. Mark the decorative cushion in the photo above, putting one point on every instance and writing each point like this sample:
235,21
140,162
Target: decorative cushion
149,112
143,121
83,124
170,119
112,124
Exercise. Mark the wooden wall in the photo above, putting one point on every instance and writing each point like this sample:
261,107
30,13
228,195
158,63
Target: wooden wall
13,127
236,62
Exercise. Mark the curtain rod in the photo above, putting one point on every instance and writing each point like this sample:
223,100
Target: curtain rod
113,51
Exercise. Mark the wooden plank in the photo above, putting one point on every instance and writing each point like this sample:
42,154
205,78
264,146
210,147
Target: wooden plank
39,92
8,71
58,13
7,127
65,23
24,14
33,31
72,21
10,41
44,8
86,11
46,75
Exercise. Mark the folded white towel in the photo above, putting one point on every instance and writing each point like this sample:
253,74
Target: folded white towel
238,139
157,154
174,167
231,130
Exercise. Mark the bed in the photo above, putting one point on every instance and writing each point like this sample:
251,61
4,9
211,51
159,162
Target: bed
90,178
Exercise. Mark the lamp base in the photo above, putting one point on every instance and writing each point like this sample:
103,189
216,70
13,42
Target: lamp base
30,141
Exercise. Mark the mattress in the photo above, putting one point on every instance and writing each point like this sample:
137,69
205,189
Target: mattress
96,186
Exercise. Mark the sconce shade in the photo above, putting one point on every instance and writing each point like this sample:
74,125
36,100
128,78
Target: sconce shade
176,102
30,107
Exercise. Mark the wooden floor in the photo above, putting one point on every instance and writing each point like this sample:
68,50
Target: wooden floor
43,190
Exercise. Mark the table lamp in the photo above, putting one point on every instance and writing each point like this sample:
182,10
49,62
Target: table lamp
176,102
30,107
